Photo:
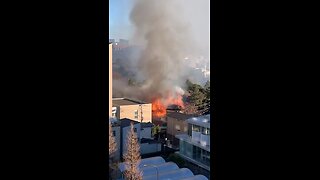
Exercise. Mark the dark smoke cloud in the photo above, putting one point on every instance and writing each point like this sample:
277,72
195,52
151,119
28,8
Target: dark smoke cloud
164,33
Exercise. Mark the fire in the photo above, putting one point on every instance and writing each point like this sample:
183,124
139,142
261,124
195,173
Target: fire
159,105
158,108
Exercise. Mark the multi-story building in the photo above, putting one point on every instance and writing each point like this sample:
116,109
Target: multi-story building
131,109
195,145
176,124
110,80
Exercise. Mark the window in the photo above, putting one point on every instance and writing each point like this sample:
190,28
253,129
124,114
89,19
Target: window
205,131
190,129
114,111
205,157
195,128
182,147
135,129
189,148
136,114
114,133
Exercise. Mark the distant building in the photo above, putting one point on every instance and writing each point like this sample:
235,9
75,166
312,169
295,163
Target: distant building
122,44
112,40
131,109
176,124
195,145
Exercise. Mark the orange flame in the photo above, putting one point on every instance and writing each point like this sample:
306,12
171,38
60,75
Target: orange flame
159,105
158,108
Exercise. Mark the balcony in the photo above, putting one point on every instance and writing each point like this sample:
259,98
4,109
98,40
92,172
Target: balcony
204,143
205,140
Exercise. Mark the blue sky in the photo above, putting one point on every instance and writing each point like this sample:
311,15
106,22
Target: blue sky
119,23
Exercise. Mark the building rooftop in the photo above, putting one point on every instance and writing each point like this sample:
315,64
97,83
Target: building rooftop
166,170
114,121
168,166
146,125
125,122
176,174
196,177
147,161
203,121
149,141
125,102
178,115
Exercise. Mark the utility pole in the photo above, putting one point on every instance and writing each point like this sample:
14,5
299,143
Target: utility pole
141,119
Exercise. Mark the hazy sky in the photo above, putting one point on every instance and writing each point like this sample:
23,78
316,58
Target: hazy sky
119,23
193,12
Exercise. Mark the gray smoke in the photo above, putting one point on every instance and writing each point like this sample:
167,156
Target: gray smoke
163,30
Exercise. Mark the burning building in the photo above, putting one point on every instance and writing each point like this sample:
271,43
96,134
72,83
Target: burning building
164,38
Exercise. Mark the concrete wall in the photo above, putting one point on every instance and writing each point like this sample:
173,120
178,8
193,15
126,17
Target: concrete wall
146,148
128,112
173,127
110,80
146,133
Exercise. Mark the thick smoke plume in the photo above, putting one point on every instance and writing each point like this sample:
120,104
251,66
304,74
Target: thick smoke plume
165,37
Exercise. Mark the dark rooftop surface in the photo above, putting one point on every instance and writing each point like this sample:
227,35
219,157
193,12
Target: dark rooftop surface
179,116
150,141
145,125
125,122
125,102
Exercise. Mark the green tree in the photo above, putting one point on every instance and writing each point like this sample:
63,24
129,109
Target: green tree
198,100
156,131
197,94
207,100
207,85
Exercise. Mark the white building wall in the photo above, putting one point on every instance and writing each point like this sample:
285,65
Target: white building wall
147,148
196,136
146,133
205,140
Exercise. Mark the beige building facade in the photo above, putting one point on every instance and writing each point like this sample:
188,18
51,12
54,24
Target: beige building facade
131,109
